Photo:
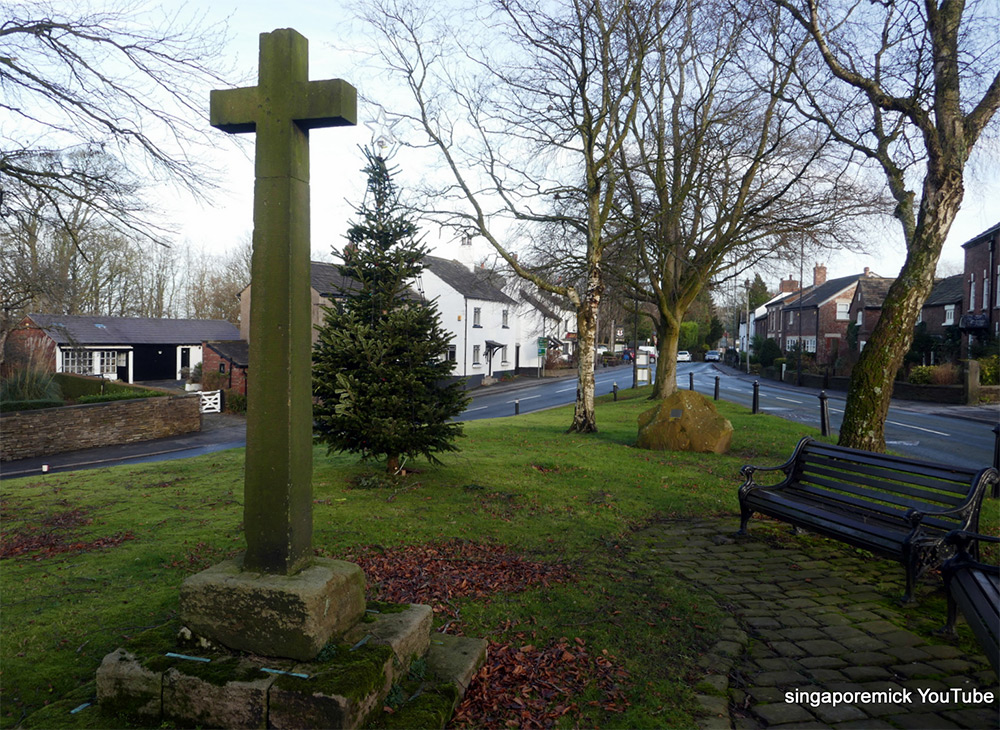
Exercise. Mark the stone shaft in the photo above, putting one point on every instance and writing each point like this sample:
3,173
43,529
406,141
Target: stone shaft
281,109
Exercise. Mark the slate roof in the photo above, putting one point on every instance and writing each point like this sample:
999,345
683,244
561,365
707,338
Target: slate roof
538,304
873,289
984,235
821,294
946,291
470,284
236,351
328,282
82,330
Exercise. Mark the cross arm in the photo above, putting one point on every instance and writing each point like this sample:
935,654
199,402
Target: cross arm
234,110
330,103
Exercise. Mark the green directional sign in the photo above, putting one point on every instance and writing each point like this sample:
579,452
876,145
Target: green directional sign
542,345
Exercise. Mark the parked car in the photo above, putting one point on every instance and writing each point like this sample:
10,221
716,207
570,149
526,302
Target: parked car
683,356
713,356
649,350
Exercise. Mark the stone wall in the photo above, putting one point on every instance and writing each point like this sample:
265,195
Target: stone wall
28,434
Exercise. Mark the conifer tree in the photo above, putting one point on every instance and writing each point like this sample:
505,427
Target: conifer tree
380,363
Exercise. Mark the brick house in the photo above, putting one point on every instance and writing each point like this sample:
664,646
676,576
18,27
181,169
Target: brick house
981,295
819,316
229,358
129,349
866,306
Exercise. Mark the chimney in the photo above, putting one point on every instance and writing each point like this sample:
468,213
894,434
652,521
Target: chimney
868,272
788,286
819,274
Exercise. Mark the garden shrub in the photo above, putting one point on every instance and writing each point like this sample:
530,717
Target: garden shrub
9,406
30,385
989,370
945,374
236,402
120,395
921,375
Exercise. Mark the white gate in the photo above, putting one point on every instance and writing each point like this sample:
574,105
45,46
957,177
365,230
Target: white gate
211,401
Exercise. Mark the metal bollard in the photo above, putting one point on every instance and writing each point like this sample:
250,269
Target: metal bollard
614,389
716,387
517,407
824,415
690,381
756,397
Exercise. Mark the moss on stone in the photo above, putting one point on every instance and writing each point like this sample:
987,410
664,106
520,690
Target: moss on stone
432,708
220,671
349,674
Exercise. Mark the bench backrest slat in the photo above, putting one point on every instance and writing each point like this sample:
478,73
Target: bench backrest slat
945,472
892,513
837,476
947,488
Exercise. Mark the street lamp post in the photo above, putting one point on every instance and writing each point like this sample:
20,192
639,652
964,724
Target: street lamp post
746,285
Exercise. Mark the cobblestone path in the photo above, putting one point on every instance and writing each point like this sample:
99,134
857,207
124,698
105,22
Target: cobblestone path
813,616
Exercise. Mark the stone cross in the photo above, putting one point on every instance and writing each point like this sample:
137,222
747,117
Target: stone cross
281,109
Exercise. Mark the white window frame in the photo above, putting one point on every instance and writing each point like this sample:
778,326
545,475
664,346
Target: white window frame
477,316
503,351
861,318
843,311
949,314
504,319
972,292
73,362
475,355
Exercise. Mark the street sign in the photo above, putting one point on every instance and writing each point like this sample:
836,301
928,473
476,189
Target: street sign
542,345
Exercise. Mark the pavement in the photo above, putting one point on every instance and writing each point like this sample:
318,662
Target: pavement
808,618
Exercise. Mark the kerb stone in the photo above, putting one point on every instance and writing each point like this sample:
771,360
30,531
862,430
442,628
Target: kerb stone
224,693
290,616
407,632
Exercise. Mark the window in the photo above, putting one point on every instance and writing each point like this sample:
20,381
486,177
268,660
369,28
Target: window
861,317
504,322
920,317
810,344
476,314
77,361
972,292
452,353
949,314
475,354
790,319
503,352
986,290
108,360
843,311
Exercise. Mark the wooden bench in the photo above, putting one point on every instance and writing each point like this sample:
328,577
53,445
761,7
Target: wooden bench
974,587
895,507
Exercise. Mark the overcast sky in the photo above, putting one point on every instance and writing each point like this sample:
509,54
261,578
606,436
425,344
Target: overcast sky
336,161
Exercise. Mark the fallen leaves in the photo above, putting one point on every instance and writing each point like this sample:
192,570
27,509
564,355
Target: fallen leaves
52,534
437,573
531,687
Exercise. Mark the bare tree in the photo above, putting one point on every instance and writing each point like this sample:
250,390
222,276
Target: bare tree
722,174
122,83
910,87
531,134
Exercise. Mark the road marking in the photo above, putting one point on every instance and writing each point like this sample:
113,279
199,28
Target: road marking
480,408
527,397
919,428
788,400
564,390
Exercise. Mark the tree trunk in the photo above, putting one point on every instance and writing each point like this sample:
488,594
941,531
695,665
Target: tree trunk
871,383
584,416
392,463
666,360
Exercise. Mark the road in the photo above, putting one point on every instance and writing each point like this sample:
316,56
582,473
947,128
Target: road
909,430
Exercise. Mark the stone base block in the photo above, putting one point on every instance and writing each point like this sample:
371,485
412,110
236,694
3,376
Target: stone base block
274,615
126,687
456,659
342,693
230,693
406,632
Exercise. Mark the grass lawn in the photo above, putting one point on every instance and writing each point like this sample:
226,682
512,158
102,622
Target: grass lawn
95,558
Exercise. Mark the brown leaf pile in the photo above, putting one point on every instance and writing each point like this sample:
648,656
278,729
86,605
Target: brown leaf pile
532,687
521,685
55,534
436,573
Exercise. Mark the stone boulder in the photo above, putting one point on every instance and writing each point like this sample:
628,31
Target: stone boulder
684,421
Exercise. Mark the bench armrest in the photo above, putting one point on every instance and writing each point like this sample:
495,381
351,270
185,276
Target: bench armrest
916,516
748,470
967,554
